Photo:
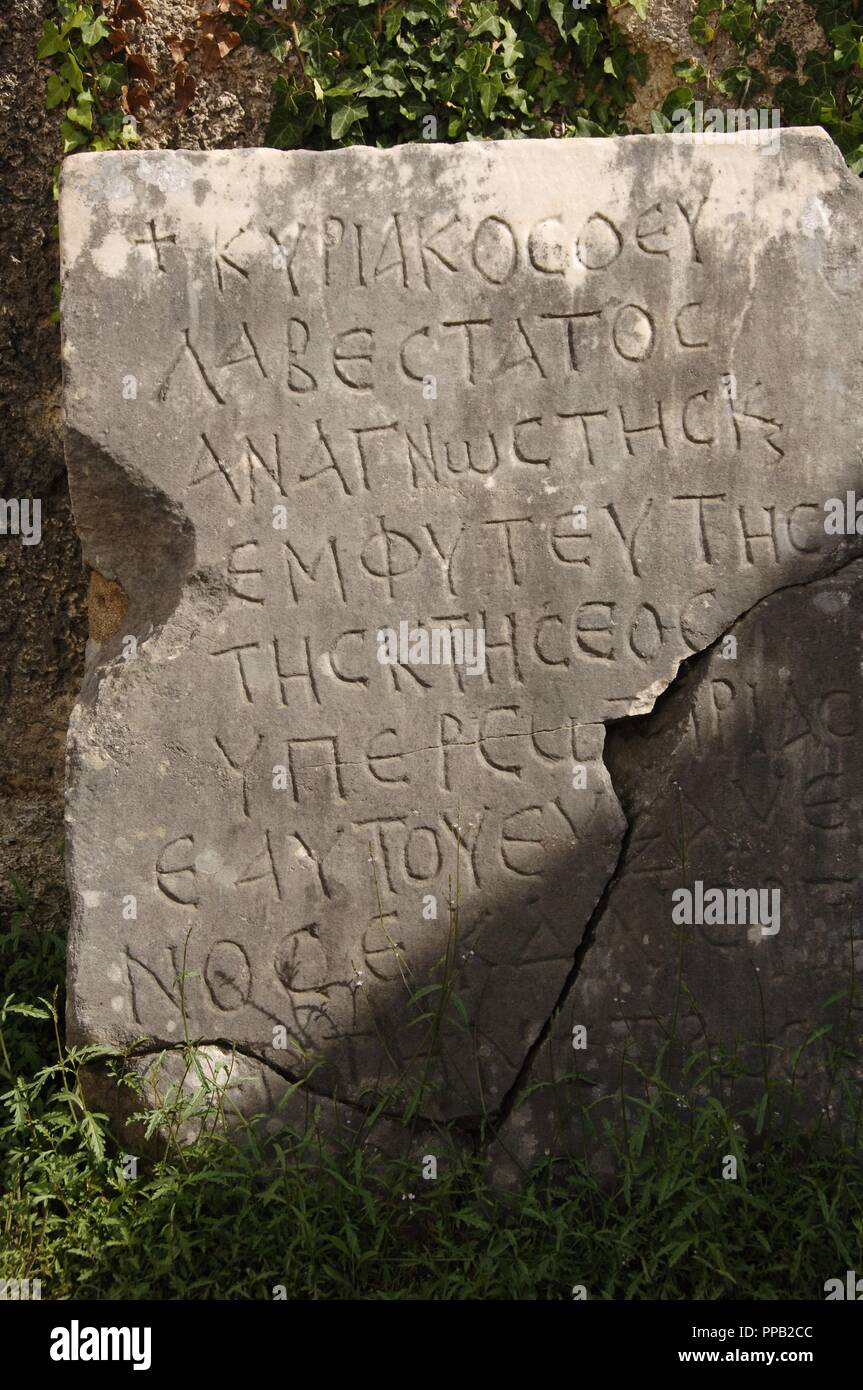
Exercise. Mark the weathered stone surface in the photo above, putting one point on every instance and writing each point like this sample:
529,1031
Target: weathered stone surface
425,362
747,775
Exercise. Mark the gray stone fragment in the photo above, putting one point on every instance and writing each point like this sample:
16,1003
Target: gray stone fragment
585,399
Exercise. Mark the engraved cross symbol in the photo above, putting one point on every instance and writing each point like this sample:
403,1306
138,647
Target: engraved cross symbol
153,240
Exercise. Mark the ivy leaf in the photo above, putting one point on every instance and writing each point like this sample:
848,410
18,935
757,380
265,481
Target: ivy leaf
393,84
639,69
393,21
690,72
783,56
738,22
348,88
512,47
94,30
587,36
680,99
556,10
73,137
489,88
317,43
701,31
78,17
488,19
56,91
817,66
51,42
517,97
419,11
110,78
345,116
82,112
71,72
284,132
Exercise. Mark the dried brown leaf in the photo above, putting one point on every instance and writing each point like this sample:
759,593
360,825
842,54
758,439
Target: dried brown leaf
141,69
130,9
179,48
118,38
184,88
135,99
215,28
217,41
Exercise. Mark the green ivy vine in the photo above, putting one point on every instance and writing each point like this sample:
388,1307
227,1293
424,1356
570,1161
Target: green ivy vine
86,78
379,71
370,72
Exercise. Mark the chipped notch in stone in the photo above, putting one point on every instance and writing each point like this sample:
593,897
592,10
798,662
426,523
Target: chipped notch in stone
138,541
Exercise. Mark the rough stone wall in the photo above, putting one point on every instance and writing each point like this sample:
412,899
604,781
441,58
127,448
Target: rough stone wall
41,586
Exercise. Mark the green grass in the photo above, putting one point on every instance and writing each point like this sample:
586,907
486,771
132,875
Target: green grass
235,1216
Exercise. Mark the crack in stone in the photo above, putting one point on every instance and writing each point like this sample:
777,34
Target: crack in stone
507,1104
465,1127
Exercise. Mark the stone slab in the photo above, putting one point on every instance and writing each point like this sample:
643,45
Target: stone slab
583,400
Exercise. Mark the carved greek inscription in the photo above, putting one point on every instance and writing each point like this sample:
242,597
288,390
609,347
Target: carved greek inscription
460,478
